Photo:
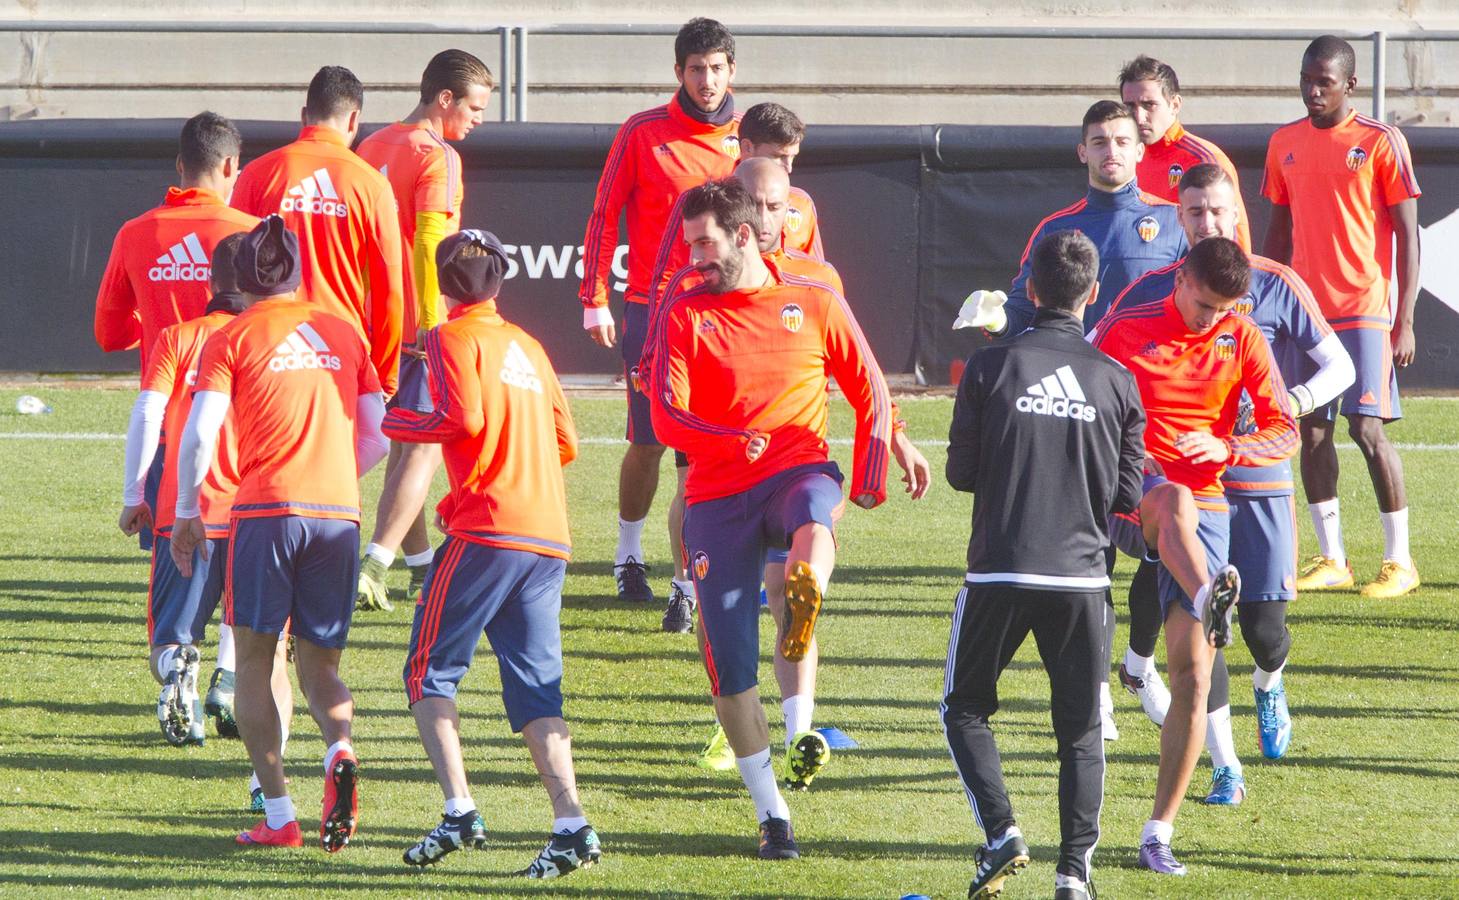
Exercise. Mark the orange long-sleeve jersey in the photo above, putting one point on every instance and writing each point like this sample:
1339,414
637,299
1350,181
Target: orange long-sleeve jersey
159,268
730,366
657,155
343,211
425,176
172,369
295,374
1177,152
505,432
1193,382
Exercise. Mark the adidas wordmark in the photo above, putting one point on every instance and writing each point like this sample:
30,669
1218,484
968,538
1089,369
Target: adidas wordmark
315,194
1058,394
185,261
303,349
518,371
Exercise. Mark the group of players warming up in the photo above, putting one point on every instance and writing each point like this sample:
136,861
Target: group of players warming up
323,309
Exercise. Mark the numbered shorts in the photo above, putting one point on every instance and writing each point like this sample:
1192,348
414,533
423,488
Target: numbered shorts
178,608
294,571
726,540
635,334
1375,392
1213,528
414,386
513,596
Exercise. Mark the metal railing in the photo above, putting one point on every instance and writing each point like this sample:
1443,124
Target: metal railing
515,39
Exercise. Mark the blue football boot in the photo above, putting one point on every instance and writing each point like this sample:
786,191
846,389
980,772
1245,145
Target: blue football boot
1273,721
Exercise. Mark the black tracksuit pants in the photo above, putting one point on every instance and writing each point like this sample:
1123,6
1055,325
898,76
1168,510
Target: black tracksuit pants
990,624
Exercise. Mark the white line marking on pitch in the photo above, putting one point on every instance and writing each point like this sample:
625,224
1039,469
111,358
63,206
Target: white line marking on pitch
590,441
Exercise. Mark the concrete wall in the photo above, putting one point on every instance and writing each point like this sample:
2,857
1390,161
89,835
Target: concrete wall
827,80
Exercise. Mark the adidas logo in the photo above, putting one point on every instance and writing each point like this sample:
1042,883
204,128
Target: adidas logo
1058,394
303,349
518,371
1289,159
315,194
186,261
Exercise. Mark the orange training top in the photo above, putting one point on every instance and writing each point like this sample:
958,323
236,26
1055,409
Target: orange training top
1339,183
1177,152
295,374
159,268
505,432
349,234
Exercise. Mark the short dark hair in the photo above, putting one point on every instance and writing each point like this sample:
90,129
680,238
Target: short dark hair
1331,48
455,71
206,140
773,124
1148,68
224,278
1204,176
1063,269
1221,265
1104,111
701,37
333,91
728,201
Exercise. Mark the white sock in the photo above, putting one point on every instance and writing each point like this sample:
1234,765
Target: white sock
823,577
1328,525
1219,741
279,811
420,559
687,586
759,777
227,656
164,662
375,551
1106,702
1199,600
335,748
1395,537
568,824
253,783
798,713
460,806
1067,881
1164,832
1138,665
630,540
1009,834
1263,680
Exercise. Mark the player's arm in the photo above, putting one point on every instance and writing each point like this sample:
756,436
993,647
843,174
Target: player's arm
600,241
387,289
117,325
1405,232
673,423
850,361
1308,329
371,445
1276,436
567,433
1278,244
963,440
455,395
1130,488
430,230
655,322
144,432
673,255
195,456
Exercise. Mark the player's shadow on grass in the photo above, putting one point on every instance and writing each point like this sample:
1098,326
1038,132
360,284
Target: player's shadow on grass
854,573
140,559
39,607
1426,674
1419,625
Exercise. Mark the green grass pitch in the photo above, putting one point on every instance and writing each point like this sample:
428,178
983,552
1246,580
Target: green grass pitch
93,802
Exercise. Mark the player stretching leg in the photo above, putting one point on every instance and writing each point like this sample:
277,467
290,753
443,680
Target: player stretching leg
1343,192
1192,361
425,177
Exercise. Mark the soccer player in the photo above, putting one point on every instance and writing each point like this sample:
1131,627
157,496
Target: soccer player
425,177
157,274
656,156
343,212
1263,527
1343,194
504,426
1036,561
1134,231
177,609
754,426
1192,360
306,406
1152,92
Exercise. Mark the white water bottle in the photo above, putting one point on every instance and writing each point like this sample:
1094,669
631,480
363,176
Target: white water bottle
31,406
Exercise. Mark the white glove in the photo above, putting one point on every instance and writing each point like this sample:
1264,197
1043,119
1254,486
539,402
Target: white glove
983,309
1301,399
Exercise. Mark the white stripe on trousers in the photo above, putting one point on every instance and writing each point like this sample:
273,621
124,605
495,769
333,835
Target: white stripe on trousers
957,622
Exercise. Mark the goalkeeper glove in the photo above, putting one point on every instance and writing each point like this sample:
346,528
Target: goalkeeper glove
983,309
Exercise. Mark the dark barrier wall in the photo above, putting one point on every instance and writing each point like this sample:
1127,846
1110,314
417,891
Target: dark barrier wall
914,217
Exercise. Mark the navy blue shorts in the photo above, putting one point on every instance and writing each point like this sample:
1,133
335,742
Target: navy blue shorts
1264,546
726,540
1375,391
515,597
413,391
298,570
1213,529
635,333
178,609
151,486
